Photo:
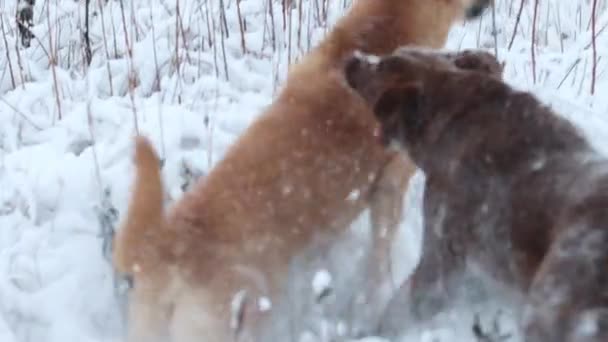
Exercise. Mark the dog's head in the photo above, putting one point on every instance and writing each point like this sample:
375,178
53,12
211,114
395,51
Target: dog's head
402,87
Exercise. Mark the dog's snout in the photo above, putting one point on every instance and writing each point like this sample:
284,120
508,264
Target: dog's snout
352,65
352,70
361,74
357,69
477,8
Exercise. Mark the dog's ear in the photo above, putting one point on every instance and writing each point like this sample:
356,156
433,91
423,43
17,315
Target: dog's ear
399,100
480,61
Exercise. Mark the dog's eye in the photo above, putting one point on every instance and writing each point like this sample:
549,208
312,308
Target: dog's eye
467,62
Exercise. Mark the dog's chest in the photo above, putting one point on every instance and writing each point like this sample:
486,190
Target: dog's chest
475,222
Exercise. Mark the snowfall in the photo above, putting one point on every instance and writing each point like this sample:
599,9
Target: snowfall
192,77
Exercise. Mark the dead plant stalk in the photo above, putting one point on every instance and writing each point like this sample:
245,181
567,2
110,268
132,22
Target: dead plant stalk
53,61
131,77
8,55
593,41
241,26
517,20
533,41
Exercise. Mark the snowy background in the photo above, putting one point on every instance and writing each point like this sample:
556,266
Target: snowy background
192,74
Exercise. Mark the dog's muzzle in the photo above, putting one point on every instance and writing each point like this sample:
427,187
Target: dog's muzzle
477,9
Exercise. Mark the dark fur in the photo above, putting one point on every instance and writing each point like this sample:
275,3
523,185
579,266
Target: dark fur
25,21
511,188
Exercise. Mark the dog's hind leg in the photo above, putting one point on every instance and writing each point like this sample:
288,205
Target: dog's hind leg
568,298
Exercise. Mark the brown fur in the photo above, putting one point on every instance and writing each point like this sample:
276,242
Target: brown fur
288,178
512,189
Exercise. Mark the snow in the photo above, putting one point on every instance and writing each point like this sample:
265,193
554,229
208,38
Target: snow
264,304
65,164
588,326
236,309
353,195
321,282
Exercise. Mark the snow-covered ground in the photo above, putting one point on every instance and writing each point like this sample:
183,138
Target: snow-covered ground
166,68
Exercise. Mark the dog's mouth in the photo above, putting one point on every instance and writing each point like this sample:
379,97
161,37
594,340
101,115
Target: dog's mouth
388,139
477,9
380,136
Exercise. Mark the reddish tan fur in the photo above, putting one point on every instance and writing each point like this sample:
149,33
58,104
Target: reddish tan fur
287,178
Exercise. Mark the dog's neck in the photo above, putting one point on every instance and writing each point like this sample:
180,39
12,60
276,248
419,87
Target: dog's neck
378,27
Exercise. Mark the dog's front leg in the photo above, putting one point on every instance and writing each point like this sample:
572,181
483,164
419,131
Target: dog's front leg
386,209
420,298
148,316
386,206
432,286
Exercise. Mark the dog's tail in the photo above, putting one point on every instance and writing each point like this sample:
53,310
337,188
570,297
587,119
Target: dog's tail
136,243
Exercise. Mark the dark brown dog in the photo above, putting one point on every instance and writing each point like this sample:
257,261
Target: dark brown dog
512,190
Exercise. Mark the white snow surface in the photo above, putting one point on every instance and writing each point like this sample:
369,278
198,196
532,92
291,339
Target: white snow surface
321,282
66,129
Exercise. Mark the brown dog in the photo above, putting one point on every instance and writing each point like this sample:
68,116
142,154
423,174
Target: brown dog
512,190
308,165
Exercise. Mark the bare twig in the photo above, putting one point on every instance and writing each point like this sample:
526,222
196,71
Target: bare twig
20,65
131,76
517,20
87,40
479,27
593,40
8,55
494,31
177,56
182,31
156,85
300,10
532,50
558,29
53,62
114,36
289,36
223,19
241,26
578,60
20,113
224,35
284,10
595,36
105,45
272,26
582,81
